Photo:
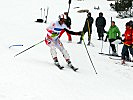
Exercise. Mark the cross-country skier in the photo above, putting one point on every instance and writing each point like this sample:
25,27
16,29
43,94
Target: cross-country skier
53,41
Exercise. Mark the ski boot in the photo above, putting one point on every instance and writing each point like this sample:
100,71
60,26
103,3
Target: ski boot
71,66
57,63
123,62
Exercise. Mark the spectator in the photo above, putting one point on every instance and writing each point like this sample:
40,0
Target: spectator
87,28
113,34
100,24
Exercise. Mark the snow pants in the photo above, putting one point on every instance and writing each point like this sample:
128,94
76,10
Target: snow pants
57,44
100,31
112,45
125,51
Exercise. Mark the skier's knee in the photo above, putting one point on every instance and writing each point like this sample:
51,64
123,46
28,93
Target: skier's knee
53,53
65,54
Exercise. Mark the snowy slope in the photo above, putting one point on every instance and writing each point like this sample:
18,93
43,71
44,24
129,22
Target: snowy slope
33,76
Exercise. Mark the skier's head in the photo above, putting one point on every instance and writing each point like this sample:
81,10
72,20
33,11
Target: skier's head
100,14
112,23
128,25
89,14
131,23
61,19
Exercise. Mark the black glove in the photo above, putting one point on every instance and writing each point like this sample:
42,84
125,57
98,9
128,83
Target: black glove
123,34
118,37
65,29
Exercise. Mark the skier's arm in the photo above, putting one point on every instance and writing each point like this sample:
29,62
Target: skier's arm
72,33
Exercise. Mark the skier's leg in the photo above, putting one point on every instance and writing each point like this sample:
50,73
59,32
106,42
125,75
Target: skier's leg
124,52
112,46
99,34
60,46
53,52
131,50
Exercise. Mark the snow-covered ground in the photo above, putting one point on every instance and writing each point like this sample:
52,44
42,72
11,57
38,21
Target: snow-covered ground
33,76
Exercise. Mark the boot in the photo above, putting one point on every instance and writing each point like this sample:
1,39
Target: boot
80,42
123,62
99,38
56,61
69,62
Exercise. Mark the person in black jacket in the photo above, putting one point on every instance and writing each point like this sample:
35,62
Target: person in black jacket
87,28
100,24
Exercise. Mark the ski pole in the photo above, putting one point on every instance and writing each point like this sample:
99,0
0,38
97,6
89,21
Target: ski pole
28,48
41,12
46,15
117,48
69,2
89,55
108,36
102,46
109,49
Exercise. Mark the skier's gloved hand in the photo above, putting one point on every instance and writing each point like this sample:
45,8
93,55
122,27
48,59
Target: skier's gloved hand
65,29
82,35
118,37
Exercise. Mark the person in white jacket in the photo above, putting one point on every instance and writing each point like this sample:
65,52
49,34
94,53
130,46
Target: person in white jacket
53,40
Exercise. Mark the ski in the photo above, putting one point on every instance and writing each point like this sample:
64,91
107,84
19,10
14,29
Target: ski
115,58
120,59
126,64
119,63
109,55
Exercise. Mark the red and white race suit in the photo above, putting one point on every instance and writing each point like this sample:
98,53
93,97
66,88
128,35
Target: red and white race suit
53,41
